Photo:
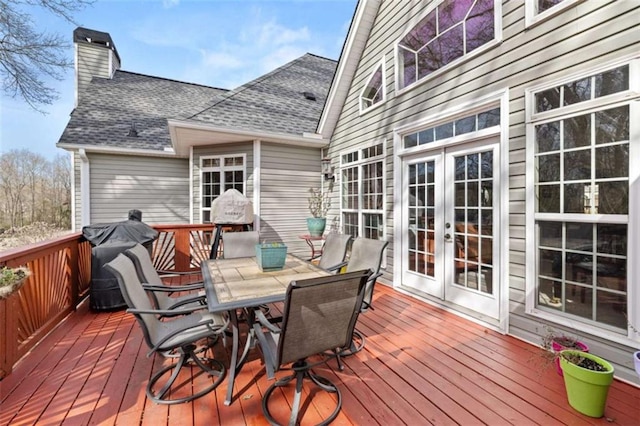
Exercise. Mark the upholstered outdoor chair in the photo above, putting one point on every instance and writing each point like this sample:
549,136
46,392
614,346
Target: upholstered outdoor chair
161,293
334,251
178,335
239,244
319,316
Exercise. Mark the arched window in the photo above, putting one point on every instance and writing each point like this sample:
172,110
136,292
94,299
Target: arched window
373,92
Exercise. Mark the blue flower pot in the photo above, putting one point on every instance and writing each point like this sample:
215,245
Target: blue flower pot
316,226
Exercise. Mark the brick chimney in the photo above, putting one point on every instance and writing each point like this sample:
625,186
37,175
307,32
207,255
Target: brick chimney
95,56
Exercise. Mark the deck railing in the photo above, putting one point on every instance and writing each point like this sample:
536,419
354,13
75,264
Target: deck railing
60,279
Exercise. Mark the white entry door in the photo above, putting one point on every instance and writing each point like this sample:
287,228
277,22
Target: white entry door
450,206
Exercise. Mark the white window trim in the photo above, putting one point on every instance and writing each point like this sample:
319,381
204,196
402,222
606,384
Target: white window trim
221,157
383,88
533,18
631,97
497,23
360,162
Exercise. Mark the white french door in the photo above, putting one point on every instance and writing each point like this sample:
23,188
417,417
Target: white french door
449,242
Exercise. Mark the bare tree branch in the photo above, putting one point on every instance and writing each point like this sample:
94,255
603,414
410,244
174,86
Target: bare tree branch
28,56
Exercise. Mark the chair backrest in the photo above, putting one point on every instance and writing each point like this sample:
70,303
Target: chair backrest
239,244
367,254
134,295
144,265
320,314
334,250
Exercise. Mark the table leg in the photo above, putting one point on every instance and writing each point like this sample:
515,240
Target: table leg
234,356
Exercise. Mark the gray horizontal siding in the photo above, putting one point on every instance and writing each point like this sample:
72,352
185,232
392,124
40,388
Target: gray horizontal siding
92,61
574,41
287,173
159,187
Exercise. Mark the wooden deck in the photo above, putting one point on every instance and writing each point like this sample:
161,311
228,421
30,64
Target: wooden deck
421,366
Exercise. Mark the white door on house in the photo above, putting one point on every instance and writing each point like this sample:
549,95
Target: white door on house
450,216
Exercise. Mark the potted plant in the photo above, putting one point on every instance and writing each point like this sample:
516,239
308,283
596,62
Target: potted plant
271,256
11,279
557,343
587,379
319,204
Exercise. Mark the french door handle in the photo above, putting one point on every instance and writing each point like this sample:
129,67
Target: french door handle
447,237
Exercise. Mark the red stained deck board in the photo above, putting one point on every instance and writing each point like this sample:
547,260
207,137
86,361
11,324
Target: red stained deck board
421,365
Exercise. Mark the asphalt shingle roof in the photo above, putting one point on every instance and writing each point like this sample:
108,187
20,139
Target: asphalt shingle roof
275,102
108,108
271,103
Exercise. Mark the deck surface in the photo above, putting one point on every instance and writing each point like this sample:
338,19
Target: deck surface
421,365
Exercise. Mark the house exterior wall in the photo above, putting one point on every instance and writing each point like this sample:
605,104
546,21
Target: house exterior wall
158,187
286,174
75,188
574,41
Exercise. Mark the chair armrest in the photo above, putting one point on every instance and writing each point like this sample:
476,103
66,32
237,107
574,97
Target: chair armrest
174,333
163,312
172,288
337,267
202,299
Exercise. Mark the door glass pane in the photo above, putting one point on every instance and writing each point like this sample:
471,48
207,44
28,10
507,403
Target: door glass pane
473,230
421,211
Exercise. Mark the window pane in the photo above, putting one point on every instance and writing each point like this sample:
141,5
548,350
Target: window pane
613,197
550,234
465,125
612,125
451,12
411,140
577,131
580,236
612,239
487,165
444,131
550,263
548,100
480,28
609,308
426,136
574,198
549,199
613,81
489,118
577,91
548,137
409,67
612,161
577,164
549,168
547,4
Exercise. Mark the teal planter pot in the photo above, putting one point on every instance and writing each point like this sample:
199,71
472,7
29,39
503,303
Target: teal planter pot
271,256
587,390
316,226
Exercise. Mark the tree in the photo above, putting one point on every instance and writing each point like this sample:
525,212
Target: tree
28,55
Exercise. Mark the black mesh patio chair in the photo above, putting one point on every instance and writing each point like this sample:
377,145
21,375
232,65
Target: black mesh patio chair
161,294
239,244
334,251
181,334
365,253
319,315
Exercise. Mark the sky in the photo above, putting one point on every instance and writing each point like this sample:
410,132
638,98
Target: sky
212,42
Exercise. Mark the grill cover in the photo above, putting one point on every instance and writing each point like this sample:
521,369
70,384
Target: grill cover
109,240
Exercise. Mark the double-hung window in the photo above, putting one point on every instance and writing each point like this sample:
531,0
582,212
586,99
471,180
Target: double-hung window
582,136
362,192
218,174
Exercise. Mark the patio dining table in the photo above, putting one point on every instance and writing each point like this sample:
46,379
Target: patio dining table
232,284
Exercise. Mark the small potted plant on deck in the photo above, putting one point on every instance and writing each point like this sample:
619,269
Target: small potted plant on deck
319,204
587,379
11,279
557,343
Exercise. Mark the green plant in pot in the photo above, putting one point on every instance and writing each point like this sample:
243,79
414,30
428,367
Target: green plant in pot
11,279
587,379
319,204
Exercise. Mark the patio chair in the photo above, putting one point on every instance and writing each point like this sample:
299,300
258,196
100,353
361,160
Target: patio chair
366,253
319,315
180,335
239,244
161,293
334,251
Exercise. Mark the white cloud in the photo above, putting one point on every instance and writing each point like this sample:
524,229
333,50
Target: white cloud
168,4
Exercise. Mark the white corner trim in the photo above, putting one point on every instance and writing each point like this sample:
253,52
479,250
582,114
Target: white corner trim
191,216
72,158
85,189
257,160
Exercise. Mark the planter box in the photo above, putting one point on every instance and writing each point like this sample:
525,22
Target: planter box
271,256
